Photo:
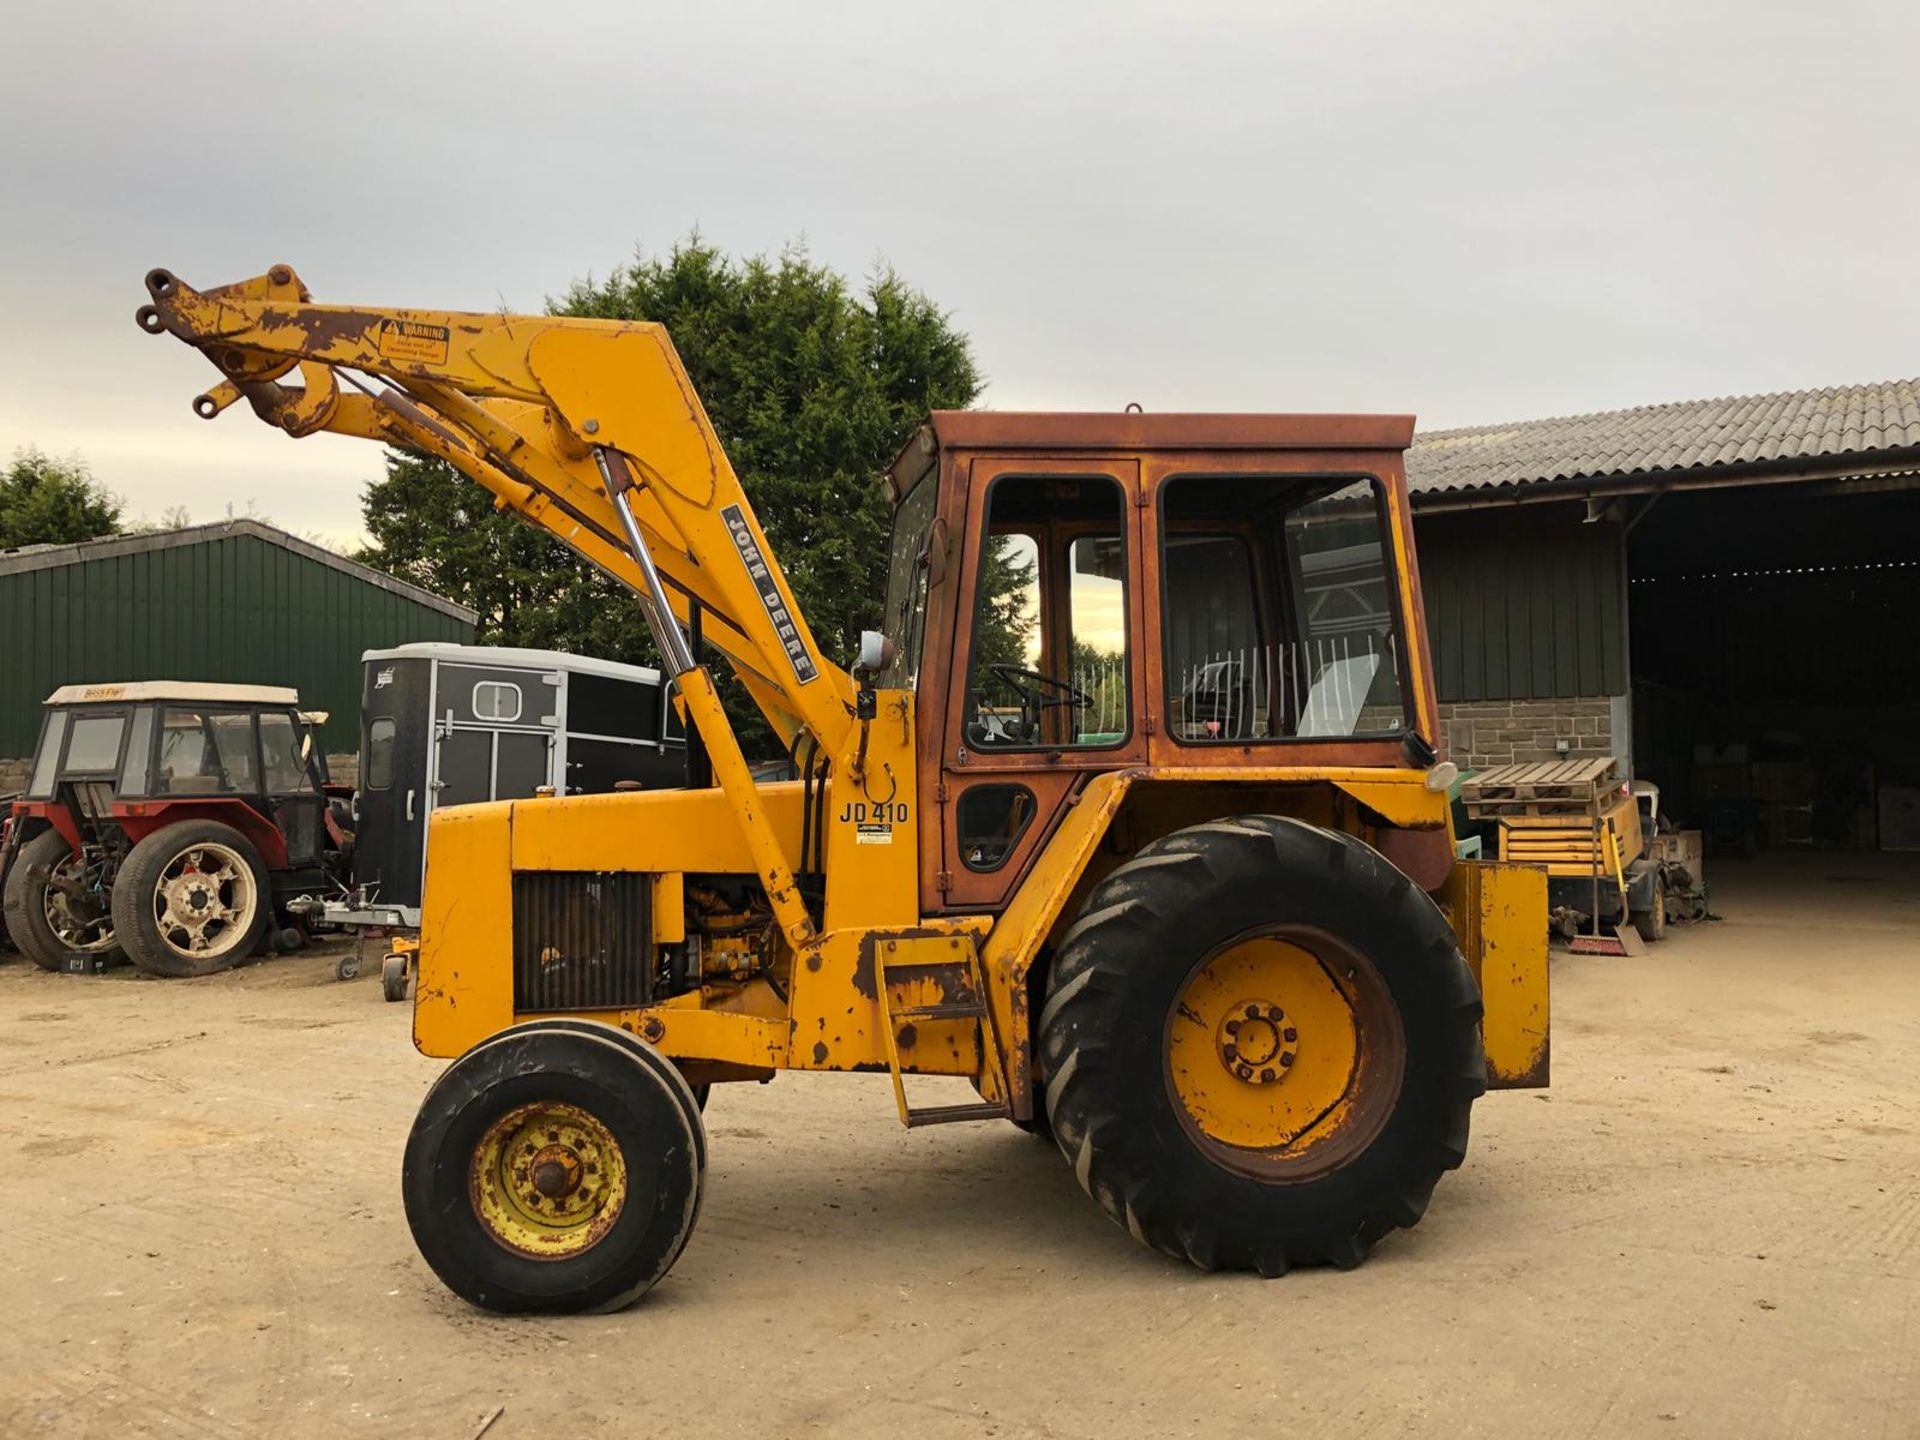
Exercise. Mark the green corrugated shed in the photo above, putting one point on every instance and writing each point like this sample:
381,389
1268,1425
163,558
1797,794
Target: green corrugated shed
1524,602
237,601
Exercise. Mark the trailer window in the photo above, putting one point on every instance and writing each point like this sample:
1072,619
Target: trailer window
379,774
496,700
602,705
1279,617
94,745
46,764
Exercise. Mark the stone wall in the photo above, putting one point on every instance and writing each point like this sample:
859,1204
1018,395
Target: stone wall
1484,733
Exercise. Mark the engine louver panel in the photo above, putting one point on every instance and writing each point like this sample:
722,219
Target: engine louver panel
581,940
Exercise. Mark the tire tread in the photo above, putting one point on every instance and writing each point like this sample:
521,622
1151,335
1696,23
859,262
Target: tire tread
1142,904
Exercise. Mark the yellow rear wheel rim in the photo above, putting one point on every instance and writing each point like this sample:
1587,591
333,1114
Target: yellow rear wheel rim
547,1180
1284,1054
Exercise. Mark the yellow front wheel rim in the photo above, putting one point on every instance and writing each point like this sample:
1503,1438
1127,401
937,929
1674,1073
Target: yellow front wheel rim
1284,1054
547,1180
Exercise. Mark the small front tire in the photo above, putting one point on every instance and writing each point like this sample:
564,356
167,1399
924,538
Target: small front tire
555,1170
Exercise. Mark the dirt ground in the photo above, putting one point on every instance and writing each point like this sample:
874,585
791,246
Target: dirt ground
1710,1226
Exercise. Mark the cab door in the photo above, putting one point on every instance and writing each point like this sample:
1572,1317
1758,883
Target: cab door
288,784
1045,674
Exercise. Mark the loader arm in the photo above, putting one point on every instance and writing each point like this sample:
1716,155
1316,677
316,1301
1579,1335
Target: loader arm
519,403
589,429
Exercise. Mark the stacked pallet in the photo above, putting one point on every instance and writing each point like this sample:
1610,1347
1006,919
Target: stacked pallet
1573,817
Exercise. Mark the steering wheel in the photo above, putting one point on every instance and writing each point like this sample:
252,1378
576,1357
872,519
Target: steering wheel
1012,675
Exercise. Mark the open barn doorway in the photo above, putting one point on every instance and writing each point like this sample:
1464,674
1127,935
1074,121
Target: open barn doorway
1776,663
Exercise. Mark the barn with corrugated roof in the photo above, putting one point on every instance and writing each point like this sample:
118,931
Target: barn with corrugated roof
1722,593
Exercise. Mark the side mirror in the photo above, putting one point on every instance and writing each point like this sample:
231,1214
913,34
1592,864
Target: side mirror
306,746
876,652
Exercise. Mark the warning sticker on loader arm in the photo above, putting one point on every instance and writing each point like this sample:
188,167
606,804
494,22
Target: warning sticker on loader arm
409,340
804,670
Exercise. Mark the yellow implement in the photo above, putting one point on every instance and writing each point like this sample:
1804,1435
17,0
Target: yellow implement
1129,811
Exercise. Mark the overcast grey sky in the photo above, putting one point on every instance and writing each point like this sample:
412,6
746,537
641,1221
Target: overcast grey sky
1473,211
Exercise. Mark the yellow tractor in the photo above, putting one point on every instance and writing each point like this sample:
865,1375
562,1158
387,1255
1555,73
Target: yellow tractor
1130,814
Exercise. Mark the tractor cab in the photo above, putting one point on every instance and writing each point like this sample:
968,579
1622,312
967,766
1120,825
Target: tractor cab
118,765
1073,594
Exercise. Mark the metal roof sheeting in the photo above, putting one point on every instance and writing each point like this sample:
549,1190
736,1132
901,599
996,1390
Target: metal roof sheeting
27,558
1868,422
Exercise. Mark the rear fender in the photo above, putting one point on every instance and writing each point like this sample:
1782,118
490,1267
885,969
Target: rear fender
140,818
30,817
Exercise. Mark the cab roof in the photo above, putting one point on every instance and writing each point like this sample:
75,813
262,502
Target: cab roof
1136,430
188,691
1061,432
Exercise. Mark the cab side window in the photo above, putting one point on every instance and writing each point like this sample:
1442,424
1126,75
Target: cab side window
1279,613
186,764
1049,662
206,753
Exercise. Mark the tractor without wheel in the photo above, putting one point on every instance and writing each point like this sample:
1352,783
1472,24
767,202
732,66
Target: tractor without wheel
1134,816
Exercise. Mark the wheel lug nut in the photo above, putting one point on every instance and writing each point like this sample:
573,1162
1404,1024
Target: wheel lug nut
1253,1012
1286,1058
1274,1012
1231,1053
1233,1027
1267,1076
1289,1034
1246,1072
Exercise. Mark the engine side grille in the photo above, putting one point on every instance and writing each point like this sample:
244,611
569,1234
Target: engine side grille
581,940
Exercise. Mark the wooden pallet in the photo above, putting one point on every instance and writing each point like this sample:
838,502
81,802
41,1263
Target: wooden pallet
1564,841
1552,787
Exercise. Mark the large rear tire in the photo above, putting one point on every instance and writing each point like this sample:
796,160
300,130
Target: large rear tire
557,1167
191,899
1262,1046
47,919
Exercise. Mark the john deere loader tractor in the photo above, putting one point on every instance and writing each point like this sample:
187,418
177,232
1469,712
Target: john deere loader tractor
1130,813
